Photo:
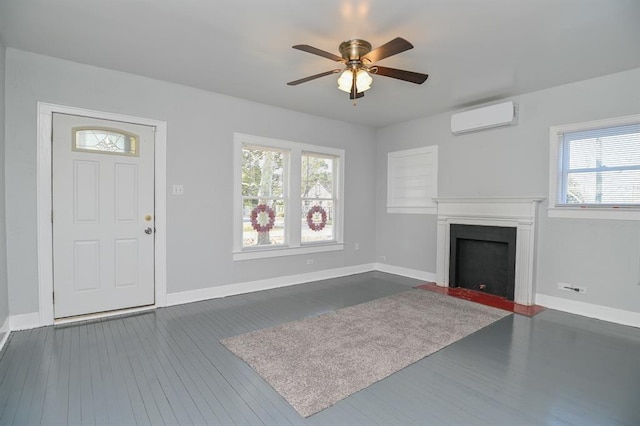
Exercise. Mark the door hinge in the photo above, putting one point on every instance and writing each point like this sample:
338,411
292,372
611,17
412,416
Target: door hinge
51,216
53,296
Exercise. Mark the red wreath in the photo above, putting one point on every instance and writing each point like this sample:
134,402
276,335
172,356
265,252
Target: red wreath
262,208
313,225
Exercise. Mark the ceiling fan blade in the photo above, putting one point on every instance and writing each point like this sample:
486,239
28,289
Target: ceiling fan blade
393,47
316,51
312,77
410,76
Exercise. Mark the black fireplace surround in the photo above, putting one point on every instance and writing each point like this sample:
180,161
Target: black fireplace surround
483,258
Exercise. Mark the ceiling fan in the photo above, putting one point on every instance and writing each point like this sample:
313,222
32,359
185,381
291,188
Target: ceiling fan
359,60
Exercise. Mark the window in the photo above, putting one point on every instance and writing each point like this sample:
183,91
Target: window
104,140
412,180
318,197
595,169
288,198
264,198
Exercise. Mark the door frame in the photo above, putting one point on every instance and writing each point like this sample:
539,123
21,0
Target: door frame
44,201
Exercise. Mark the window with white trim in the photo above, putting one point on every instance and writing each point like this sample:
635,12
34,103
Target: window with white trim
595,168
264,195
288,198
318,197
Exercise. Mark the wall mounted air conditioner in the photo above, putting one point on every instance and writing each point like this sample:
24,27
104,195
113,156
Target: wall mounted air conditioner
503,114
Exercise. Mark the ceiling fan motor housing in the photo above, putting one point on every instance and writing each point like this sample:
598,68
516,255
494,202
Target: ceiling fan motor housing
354,50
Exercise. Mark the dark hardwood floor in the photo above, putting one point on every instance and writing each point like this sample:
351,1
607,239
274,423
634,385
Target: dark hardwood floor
168,367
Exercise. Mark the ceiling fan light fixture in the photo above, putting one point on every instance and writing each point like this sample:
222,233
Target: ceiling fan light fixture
363,81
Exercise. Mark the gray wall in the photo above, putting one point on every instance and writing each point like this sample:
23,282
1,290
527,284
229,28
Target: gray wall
602,255
200,140
4,290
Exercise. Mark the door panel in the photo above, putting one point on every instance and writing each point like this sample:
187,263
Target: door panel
126,256
103,200
86,262
86,196
126,193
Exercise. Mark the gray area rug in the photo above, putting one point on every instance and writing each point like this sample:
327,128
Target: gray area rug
315,362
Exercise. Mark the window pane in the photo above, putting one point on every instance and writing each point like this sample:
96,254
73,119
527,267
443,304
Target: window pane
262,172
608,151
105,140
317,176
263,222
609,187
317,221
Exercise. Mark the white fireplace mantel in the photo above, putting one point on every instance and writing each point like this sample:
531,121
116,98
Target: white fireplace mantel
517,212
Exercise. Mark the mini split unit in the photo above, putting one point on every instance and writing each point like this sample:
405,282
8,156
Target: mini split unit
498,115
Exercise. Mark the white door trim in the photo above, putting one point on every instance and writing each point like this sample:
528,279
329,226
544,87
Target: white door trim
43,190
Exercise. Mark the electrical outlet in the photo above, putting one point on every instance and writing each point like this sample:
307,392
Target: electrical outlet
572,288
383,258
357,246
309,261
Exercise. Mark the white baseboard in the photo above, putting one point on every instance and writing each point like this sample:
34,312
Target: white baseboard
25,321
591,310
251,286
406,272
5,331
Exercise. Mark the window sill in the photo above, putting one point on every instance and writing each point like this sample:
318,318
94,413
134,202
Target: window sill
286,251
606,213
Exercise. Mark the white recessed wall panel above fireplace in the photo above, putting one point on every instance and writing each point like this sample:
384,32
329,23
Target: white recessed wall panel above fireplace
517,212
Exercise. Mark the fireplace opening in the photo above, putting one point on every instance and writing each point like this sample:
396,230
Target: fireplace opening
483,258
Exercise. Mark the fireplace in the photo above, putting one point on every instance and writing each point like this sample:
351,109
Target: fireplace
517,213
483,258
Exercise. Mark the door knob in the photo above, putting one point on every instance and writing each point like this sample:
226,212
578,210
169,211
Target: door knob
148,231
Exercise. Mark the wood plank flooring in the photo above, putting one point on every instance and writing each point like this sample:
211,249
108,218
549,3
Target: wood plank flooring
168,367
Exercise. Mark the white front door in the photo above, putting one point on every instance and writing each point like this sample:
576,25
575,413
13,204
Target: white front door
103,215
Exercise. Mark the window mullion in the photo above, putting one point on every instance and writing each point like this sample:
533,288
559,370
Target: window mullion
295,203
603,169
261,197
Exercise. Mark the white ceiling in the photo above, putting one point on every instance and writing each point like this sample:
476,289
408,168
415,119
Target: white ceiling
473,50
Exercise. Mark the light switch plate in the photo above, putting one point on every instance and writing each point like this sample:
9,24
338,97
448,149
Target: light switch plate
178,189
